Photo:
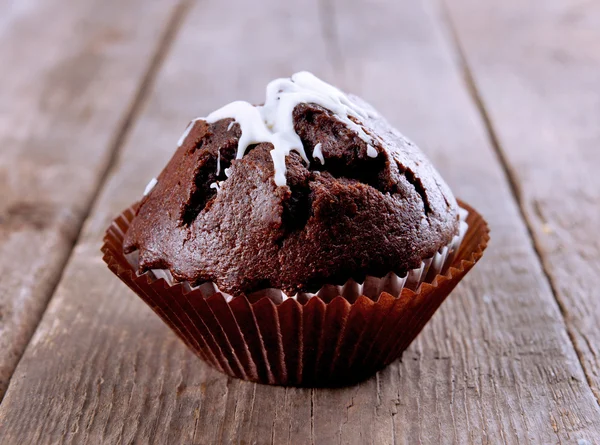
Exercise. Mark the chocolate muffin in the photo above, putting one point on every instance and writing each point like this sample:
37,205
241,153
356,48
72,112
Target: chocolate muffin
253,243
311,188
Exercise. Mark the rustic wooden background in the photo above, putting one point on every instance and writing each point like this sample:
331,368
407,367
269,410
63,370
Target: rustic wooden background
504,96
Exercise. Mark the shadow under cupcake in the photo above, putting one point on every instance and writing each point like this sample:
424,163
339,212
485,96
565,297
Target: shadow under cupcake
302,242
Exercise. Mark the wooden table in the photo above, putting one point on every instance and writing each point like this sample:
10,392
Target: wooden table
504,96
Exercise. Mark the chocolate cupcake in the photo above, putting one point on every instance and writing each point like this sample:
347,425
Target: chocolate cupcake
304,241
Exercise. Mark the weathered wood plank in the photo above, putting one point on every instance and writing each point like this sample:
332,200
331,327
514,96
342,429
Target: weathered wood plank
126,377
69,77
494,365
541,89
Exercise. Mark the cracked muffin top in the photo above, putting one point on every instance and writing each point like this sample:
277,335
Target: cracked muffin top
311,188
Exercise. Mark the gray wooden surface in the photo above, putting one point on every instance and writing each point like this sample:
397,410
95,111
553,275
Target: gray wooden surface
71,77
554,169
502,96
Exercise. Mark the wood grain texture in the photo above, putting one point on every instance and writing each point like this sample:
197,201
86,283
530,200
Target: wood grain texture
67,86
540,85
495,364
126,378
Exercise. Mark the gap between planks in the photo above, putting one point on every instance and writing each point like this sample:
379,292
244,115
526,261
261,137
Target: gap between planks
456,47
135,107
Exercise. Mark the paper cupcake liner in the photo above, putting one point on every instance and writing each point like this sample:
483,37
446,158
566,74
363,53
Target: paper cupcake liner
371,287
339,336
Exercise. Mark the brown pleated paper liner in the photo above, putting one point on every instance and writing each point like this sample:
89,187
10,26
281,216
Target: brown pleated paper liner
311,343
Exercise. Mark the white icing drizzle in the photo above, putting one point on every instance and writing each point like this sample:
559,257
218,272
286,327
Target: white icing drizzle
273,122
150,186
230,125
187,132
318,154
215,185
218,161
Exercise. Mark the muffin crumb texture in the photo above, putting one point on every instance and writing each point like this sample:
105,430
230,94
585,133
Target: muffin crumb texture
341,201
